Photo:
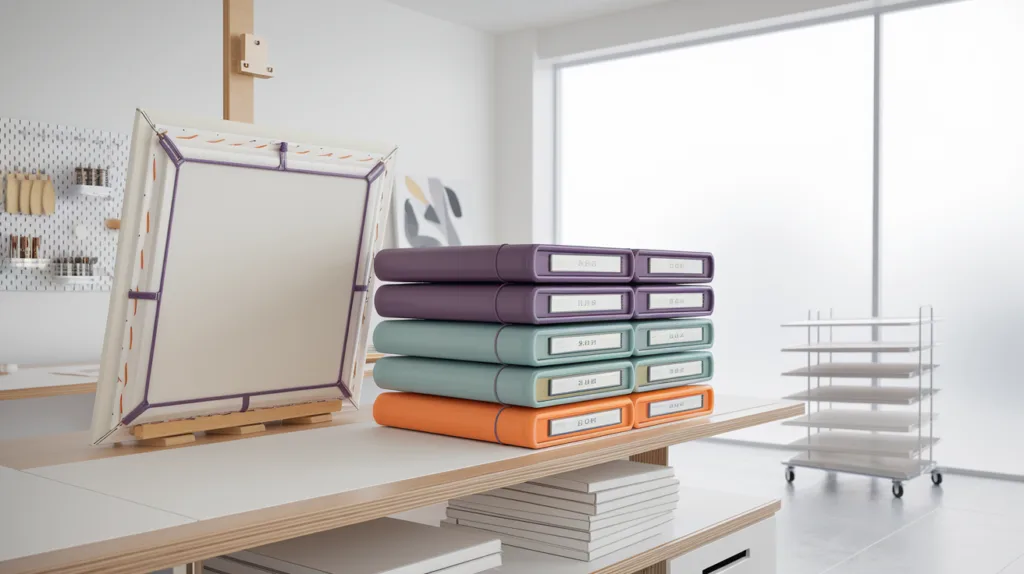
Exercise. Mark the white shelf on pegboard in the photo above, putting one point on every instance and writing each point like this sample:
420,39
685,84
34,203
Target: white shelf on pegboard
77,279
100,191
26,263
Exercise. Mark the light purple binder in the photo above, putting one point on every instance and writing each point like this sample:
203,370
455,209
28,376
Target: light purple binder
505,264
652,266
673,301
518,304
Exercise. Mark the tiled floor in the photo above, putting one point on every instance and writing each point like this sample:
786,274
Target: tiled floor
844,524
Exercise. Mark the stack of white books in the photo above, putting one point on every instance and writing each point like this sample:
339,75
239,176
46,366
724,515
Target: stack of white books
382,546
583,514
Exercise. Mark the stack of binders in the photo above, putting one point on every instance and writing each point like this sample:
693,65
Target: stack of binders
670,355
583,514
532,345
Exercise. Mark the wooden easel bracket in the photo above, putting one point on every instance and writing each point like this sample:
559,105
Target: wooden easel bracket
254,57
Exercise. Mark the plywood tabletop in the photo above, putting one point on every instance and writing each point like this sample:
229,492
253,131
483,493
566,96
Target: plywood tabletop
49,381
254,491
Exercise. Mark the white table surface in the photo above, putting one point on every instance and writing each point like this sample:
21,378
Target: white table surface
40,515
266,471
73,504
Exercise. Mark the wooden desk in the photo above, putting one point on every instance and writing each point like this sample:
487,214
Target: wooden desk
35,382
245,493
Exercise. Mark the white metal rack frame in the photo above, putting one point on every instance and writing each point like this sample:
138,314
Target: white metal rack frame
836,439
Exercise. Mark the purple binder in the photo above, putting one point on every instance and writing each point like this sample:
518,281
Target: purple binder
519,304
505,264
672,301
651,266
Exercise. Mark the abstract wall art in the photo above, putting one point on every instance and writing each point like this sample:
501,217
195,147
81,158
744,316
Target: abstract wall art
428,213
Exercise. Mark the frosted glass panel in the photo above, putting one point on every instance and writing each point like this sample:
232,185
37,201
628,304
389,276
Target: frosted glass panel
758,150
953,212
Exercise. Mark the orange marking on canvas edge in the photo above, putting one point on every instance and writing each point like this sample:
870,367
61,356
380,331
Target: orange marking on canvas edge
131,337
261,146
302,152
344,156
122,404
154,168
215,141
237,144
147,222
191,137
126,374
142,259
367,159
136,301
326,154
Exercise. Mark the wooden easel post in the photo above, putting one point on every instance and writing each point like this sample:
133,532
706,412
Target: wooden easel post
239,89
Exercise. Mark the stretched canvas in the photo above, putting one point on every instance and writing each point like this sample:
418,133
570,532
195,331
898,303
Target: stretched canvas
243,273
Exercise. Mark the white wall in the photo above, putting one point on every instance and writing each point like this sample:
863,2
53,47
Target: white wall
365,69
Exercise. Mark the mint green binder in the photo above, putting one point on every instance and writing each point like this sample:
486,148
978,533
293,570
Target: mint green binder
506,384
529,345
672,336
672,370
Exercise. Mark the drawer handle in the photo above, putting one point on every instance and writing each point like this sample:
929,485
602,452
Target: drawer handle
721,566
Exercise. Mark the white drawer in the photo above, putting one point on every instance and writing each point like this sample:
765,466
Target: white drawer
749,551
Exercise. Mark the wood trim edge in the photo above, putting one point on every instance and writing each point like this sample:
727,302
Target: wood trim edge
42,392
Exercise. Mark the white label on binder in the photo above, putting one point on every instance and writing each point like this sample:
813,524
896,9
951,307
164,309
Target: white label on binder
675,336
584,422
658,373
585,263
584,343
673,406
675,266
584,303
675,300
588,382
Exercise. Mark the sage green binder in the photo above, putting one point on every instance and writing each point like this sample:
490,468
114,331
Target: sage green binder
528,345
672,336
672,370
506,384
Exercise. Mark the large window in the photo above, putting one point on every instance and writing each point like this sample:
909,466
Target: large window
953,211
760,150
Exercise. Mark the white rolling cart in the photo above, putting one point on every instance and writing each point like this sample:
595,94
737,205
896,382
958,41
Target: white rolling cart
880,442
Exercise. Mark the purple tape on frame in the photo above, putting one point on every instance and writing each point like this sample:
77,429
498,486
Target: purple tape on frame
178,159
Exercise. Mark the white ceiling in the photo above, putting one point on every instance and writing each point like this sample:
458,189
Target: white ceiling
507,15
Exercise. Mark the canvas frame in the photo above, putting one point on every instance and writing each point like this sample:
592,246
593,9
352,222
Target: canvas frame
156,364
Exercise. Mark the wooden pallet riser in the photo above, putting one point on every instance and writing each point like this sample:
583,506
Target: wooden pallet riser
237,423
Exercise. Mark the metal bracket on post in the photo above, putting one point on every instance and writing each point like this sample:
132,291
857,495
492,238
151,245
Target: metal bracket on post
254,57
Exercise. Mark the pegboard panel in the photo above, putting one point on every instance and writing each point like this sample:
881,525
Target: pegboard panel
56,150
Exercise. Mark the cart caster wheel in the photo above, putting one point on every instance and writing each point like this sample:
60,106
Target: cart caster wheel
790,475
937,478
897,489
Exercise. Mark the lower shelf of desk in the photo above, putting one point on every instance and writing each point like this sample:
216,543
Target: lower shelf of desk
709,528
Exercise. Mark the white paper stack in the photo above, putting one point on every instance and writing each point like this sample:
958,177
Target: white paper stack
583,514
382,546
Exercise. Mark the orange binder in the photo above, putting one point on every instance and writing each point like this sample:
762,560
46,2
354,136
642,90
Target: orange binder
518,426
675,404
